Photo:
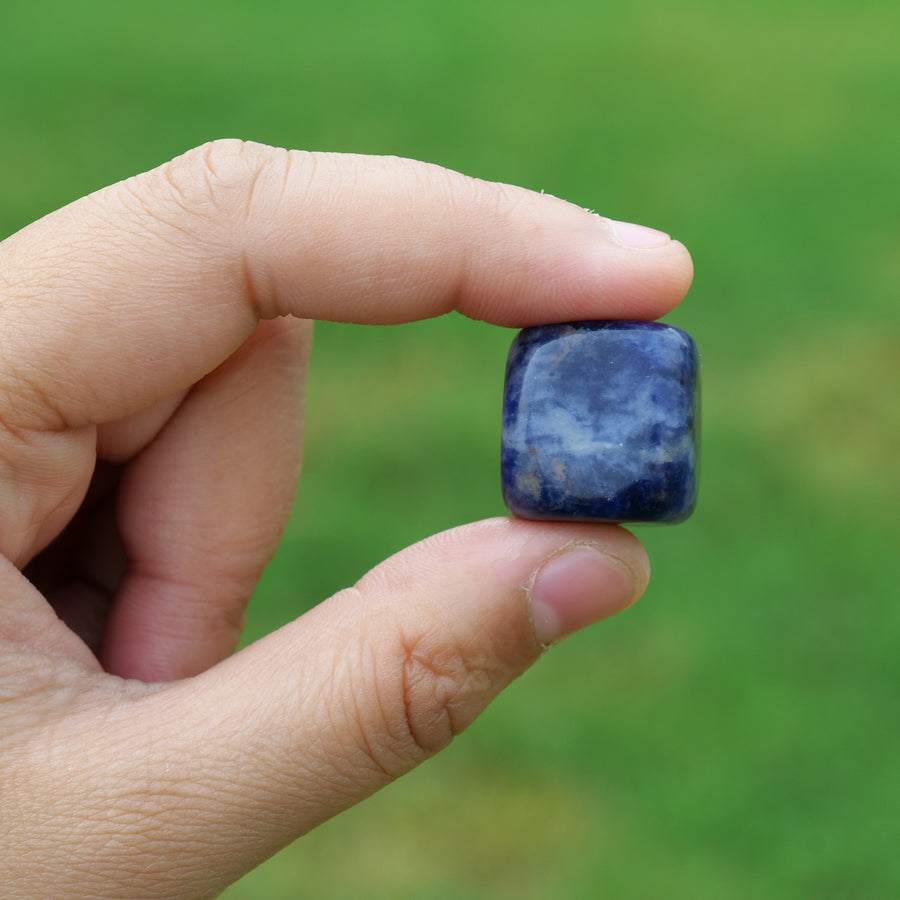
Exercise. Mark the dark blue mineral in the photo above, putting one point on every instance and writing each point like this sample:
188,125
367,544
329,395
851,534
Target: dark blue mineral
600,423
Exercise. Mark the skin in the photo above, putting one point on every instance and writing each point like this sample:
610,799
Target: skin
142,325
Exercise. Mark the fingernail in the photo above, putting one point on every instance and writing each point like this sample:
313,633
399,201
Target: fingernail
576,587
638,237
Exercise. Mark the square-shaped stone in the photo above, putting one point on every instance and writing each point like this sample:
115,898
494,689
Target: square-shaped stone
600,423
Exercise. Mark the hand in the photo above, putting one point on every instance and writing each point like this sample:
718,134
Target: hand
154,345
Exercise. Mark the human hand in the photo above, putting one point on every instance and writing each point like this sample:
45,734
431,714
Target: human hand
154,344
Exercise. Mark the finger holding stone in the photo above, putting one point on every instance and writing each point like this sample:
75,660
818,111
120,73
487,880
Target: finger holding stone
128,297
135,292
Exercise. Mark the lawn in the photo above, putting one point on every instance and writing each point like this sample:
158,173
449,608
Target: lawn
735,735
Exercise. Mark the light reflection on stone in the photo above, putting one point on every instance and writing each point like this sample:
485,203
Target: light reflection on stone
600,423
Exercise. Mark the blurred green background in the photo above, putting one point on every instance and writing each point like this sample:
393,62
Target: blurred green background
736,734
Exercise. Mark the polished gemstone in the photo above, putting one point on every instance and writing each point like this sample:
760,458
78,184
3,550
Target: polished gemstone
600,423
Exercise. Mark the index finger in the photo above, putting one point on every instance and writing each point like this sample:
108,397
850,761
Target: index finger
137,291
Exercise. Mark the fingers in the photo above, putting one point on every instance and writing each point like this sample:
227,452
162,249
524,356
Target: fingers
202,509
377,679
319,715
135,292
115,307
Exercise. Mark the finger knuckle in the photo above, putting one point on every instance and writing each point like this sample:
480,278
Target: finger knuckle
429,689
210,184
436,686
216,177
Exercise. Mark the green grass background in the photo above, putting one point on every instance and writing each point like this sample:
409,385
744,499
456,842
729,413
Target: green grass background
736,734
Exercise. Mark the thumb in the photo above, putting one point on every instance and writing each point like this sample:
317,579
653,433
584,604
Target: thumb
385,674
237,762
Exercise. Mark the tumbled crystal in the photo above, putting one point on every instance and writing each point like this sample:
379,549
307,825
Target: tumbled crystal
600,423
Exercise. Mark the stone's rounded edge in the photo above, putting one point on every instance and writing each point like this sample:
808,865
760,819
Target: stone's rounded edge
537,503
523,510
555,329
696,422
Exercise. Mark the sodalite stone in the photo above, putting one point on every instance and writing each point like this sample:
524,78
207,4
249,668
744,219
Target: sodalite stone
600,423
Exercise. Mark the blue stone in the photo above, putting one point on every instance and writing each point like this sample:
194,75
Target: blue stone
600,423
